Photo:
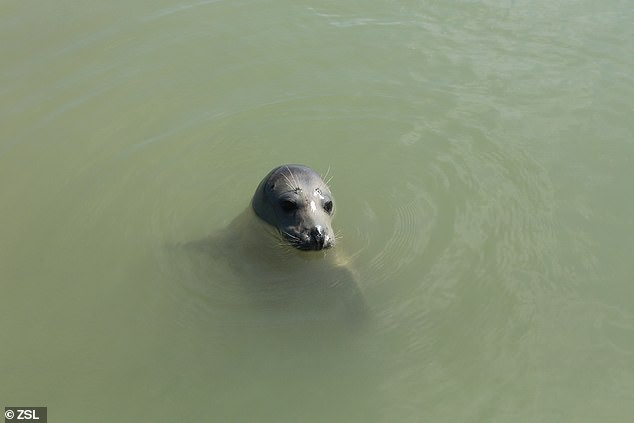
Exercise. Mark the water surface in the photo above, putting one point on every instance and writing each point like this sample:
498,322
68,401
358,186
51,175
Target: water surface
481,154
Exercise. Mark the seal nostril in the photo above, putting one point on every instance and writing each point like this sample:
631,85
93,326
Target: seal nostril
317,233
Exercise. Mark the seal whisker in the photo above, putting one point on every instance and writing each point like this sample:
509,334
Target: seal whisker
288,249
289,239
289,182
289,235
293,176
325,177
285,249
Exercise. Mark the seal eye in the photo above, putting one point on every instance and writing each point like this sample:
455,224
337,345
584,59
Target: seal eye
328,206
287,206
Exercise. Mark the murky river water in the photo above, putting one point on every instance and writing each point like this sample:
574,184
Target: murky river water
482,154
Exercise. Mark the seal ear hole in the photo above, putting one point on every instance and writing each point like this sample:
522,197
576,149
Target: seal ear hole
288,206
328,206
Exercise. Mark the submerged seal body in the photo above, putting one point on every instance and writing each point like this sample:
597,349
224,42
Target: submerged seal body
281,248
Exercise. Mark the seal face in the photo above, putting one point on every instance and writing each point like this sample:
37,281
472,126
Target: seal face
297,202
278,249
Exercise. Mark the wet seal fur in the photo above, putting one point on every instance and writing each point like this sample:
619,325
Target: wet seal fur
282,248
297,202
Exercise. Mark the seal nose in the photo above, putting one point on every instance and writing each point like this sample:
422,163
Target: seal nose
317,234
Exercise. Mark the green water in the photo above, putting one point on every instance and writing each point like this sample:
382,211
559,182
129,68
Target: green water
482,160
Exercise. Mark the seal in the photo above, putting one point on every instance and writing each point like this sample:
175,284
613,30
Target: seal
297,202
282,249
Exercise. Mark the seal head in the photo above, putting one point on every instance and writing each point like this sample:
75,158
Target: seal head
298,203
